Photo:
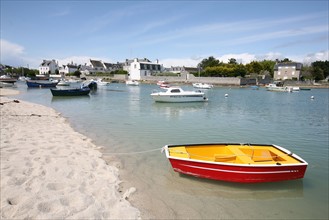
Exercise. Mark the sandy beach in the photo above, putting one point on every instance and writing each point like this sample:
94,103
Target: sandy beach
49,171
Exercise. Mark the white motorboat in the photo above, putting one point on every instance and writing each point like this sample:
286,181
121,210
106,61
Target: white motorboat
100,82
278,87
63,82
177,94
202,85
132,83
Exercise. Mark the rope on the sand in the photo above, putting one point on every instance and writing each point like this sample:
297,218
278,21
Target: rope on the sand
136,152
15,100
36,115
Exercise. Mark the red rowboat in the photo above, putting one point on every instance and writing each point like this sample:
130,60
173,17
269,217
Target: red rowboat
243,163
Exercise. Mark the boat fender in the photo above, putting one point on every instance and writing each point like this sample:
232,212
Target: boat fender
278,163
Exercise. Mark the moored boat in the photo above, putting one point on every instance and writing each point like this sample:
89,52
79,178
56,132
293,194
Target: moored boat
70,92
278,87
7,79
177,94
163,84
100,82
90,84
132,83
63,82
202,85
41,83
244,163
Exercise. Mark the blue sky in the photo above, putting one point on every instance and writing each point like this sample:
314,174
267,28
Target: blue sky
176,33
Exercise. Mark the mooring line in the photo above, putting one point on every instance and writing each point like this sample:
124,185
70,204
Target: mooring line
136,152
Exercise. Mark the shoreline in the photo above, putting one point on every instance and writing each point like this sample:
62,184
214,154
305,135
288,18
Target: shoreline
50,171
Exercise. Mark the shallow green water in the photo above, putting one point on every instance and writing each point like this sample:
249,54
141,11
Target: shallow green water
124,119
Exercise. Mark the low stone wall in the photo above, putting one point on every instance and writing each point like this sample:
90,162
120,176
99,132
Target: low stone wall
185,78
192,79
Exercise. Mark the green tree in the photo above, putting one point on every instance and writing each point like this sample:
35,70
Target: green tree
323,65
232,61
285,60
268,65
254,67
317,73
209,62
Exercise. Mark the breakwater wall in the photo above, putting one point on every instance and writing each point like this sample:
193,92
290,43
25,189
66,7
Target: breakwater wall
235,81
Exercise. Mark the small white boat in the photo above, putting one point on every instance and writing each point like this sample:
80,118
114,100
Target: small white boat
295,89
6,84
163,84
202,85
74,80
100,82
23,78
160,82
177,94
63,82
132,83
277,87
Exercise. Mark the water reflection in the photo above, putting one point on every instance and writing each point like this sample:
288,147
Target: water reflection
69,98
174,110
258,191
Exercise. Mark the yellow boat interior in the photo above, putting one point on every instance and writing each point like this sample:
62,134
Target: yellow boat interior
233,153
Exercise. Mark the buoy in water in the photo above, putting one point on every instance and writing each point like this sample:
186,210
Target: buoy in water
226,95
312,97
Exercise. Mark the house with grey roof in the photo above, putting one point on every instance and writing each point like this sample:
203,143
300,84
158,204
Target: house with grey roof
48,67
113,66
139,68
67,69
284,71
97,65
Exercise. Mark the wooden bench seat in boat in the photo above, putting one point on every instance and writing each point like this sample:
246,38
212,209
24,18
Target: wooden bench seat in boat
224,158
241,157
261,155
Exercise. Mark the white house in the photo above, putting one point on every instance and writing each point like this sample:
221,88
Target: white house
69,68
48,67
139,68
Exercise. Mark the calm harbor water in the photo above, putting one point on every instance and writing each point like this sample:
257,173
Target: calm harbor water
126,121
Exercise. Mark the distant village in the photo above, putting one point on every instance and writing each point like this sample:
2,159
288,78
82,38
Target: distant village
146,70
136,68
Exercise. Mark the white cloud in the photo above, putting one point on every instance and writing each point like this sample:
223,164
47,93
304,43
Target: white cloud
188,62
271,56
9,49
243,58
13,54
319,56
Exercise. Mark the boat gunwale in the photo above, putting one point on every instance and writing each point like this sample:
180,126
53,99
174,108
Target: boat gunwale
302,161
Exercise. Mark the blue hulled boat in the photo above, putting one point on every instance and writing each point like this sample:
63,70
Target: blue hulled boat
70,92
41,83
